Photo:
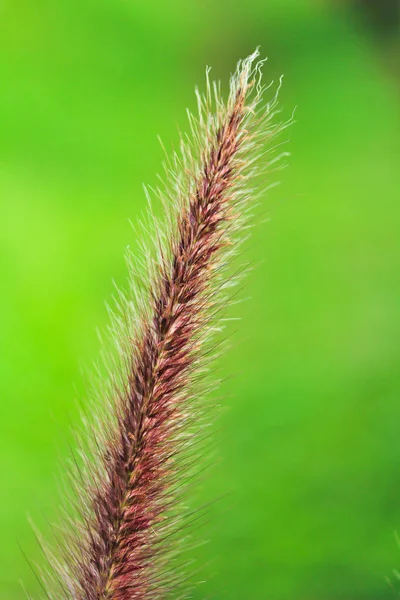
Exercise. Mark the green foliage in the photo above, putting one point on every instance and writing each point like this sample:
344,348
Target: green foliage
310,445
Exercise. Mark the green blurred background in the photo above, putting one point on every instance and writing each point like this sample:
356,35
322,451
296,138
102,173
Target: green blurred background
310,445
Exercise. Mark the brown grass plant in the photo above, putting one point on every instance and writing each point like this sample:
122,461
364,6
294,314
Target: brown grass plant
123,529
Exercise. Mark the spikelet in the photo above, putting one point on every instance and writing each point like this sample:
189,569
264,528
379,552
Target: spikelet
125,523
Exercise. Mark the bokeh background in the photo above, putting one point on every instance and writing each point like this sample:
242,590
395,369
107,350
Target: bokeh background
310,445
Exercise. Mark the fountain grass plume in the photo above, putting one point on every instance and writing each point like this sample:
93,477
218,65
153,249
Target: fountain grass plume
124,527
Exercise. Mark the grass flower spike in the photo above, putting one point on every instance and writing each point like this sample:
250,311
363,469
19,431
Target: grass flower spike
125,522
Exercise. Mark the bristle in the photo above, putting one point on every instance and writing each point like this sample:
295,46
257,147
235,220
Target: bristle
126,521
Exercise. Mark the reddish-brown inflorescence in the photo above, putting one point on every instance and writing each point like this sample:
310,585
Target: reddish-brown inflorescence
128,507
122,532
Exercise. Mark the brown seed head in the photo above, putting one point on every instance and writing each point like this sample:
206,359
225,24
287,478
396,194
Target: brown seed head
121,539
